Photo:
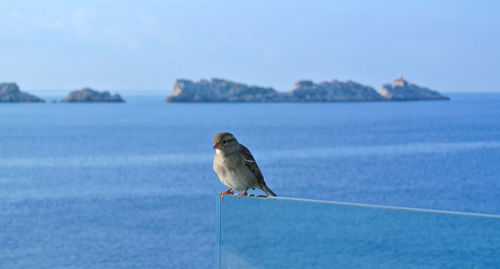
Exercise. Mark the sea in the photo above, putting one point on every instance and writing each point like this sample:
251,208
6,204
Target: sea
131,185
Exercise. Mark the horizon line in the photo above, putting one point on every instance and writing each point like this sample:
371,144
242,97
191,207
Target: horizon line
169,90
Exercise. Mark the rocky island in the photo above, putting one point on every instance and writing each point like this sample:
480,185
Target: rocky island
9,92
402,90
219,90
333,91
88,95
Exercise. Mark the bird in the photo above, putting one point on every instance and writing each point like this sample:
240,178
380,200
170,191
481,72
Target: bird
236,167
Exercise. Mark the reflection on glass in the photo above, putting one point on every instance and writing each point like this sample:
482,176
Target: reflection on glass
289,233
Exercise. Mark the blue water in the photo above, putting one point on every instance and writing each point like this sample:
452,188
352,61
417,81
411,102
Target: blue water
131,185
286,233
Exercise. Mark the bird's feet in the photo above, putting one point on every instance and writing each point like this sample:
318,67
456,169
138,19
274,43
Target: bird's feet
242,194
229,191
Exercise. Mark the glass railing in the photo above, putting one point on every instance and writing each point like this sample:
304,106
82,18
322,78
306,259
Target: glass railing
280,232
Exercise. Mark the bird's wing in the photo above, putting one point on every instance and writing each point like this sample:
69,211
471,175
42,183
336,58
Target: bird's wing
252,165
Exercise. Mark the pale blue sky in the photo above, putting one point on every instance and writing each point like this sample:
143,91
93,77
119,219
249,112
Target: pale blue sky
449,46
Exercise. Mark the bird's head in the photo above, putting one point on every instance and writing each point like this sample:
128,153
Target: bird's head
226,142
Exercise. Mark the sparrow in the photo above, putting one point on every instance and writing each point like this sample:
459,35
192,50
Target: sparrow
236,167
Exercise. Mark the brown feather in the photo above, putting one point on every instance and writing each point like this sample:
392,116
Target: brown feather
220,136
252,165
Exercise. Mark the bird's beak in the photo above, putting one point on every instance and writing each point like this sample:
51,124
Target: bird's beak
216,146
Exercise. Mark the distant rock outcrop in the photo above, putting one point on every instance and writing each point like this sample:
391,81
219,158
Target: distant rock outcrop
219,90
402,90
333,91
9,92
88,95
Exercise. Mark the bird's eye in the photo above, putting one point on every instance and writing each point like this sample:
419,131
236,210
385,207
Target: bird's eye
224,142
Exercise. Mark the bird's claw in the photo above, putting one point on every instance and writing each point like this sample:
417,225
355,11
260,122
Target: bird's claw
229,191
242,194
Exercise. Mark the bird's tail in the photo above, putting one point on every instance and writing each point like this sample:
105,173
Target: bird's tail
268,191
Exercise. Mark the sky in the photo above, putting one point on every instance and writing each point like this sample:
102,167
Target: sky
450,46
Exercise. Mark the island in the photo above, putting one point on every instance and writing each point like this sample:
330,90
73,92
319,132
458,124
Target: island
402,90
333,91
9,92
88,95
219,90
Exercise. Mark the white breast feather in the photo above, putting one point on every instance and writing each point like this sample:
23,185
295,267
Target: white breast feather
233,172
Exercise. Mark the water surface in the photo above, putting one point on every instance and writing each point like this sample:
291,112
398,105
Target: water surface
131,185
